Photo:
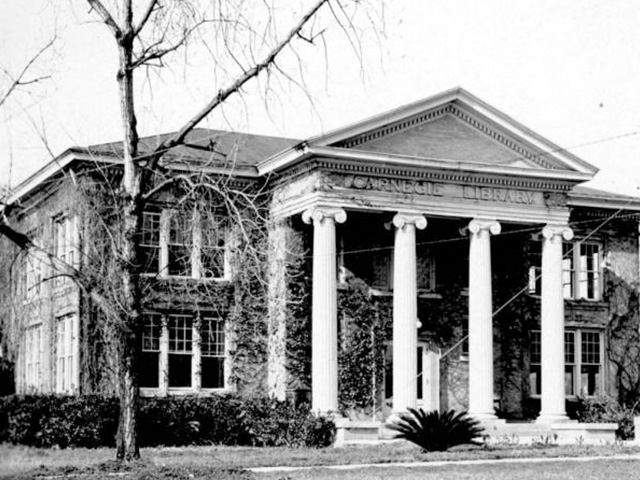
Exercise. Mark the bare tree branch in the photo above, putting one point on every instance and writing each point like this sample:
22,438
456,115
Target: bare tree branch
106,17
223,94
19,79
145,17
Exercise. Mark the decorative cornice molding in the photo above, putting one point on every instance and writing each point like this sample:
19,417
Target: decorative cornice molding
395,127
471,178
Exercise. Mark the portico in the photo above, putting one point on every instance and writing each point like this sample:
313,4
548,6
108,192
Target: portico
493,172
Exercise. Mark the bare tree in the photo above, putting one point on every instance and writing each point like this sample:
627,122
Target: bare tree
244,46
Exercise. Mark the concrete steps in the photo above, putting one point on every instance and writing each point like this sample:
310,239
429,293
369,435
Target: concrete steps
372,432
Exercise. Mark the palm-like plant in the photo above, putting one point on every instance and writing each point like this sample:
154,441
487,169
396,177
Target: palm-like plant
434,431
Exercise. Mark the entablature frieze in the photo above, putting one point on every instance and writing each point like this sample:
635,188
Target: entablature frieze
452,194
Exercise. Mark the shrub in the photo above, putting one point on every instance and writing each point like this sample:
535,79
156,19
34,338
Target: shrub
50,420
91,421
435,431
608,410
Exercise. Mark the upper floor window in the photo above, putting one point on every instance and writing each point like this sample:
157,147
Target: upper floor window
64,243
382,266
581,270
33,267
183,244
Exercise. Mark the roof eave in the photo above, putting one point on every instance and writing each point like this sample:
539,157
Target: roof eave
292,156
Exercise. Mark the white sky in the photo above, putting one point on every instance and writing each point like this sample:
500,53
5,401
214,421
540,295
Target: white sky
568,70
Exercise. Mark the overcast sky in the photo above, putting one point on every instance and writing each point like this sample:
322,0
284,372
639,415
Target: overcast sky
569,70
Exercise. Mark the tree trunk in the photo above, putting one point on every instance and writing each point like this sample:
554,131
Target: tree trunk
129,345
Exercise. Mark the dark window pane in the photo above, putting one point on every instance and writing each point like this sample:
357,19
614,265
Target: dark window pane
149,369
179,260
212,372
213,262
149,259
179,370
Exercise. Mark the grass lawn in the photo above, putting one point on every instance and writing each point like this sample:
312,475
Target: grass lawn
567,470
225,462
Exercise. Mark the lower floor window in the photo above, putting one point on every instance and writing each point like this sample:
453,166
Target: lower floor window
583,362
66,353
182,351
33,355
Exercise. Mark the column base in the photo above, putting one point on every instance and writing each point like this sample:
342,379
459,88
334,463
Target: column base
547,419
484,417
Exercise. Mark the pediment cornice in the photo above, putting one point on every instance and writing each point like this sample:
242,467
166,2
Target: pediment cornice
475,178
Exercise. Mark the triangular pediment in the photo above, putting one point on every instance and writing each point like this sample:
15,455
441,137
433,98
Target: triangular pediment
448,138
454,127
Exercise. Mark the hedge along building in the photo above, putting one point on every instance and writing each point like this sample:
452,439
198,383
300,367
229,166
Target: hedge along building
439,255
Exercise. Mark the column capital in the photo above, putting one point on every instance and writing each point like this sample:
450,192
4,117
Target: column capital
403,218
549,231
317,214
477,225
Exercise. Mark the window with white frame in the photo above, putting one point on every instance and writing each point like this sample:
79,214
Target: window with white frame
581,270
180,351
192,349
213,352
150,354
583,371
64,243
66,353
184,244
33,357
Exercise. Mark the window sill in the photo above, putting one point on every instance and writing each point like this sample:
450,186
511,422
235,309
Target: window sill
376,292
157,276
177,391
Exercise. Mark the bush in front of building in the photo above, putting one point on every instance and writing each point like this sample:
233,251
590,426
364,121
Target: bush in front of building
91,421
63,421
606,409
231,420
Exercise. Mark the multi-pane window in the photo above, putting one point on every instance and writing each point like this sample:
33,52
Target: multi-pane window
183,244
583,362
150,242
581,276
33,357
66,352
212,345
150,356
180,350
64,239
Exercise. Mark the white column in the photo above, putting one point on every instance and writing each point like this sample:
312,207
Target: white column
405,310
324,308
481,319
552,325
